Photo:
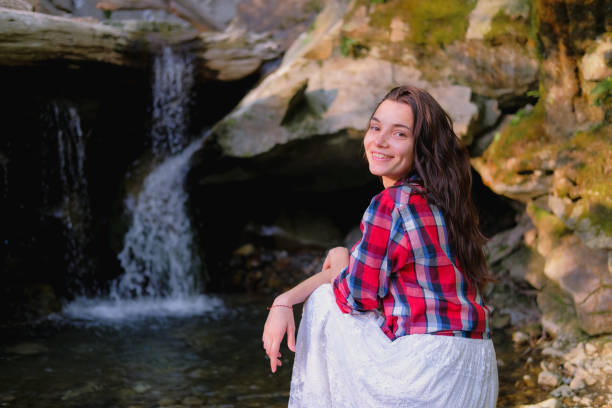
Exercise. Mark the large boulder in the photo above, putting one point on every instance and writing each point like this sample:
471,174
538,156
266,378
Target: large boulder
556,157
333,76
28,38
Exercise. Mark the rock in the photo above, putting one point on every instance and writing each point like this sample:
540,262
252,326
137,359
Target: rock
189,401
562,391
87,388
245,250
595,65
576,384
234,54
548,379
559,317
16,5
165,402
519,337
26,349
482,16
504,72
528,380
583,273
590,349
550,228
583,376
34,38
308,99
499,321
141,387
552,352
549,403
504,243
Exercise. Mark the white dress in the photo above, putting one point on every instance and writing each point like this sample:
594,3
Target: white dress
346,361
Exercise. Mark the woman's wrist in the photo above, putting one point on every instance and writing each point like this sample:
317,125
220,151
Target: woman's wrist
282,300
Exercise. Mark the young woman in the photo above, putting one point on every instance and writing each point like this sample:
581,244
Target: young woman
399,321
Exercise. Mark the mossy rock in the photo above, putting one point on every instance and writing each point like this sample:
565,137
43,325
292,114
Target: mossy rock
433,22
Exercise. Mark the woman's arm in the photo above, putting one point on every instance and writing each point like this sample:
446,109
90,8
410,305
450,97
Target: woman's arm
280,319
337,259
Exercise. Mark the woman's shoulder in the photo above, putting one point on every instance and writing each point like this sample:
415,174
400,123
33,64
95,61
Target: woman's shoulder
401,194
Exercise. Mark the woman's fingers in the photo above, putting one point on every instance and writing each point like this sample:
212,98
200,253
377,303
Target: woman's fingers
274,354
291,338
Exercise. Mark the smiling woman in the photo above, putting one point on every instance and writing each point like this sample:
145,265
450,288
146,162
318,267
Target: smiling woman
403,322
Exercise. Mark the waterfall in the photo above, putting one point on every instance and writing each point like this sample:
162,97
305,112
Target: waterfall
64,125
157,256
172,84
161,270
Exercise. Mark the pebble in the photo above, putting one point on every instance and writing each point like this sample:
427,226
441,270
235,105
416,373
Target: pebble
519,337
548,379
552,352
141,387
549,403
192,401
590,349
576,384
26,349
528,380
563,391
585,376
165,402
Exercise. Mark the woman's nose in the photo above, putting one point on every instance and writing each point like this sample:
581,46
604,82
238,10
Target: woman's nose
381,139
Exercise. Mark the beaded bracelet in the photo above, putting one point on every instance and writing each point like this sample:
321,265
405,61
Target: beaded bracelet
270,307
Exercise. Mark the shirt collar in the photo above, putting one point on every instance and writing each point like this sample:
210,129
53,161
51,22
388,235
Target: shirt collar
412,178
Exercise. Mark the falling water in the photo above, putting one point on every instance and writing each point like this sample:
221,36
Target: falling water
161,269
65,123
172,85
158,256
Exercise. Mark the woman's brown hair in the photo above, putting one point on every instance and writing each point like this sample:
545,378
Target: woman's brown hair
442,162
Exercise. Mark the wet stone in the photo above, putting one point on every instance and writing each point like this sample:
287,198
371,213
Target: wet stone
190,401
26,349
519,337
548,379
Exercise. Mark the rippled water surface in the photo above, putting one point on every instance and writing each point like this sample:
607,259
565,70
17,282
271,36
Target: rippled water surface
213,360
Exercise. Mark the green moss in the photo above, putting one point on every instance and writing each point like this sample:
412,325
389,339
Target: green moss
602,92
546,222
504,26
592,170
351,47
534,29
432,22
524,136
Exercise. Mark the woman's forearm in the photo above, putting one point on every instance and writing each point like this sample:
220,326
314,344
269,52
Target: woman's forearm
299,293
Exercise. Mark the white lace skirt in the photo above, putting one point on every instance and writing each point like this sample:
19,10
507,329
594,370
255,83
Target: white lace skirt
347,361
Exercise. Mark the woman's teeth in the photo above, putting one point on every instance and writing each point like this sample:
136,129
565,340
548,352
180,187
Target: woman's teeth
380,156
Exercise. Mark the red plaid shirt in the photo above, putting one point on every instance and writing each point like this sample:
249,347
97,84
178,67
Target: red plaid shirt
403,262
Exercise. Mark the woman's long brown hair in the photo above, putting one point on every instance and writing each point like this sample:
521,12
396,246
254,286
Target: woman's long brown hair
442,162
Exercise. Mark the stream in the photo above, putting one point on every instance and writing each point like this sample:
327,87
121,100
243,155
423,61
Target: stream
214,359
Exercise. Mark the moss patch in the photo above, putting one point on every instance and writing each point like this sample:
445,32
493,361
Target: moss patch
523,139
432,22
591,170
505,27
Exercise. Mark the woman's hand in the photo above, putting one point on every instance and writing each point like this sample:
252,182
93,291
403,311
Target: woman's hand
280,321
336,260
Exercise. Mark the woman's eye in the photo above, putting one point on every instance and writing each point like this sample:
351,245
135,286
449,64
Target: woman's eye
374,127
400,135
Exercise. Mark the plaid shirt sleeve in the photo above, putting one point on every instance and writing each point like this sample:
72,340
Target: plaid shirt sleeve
359,286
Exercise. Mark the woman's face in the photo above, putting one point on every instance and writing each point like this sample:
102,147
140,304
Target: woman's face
389,141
